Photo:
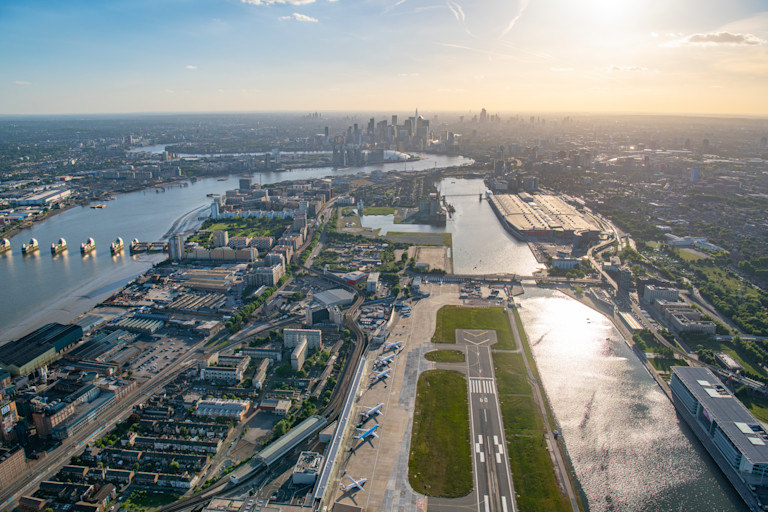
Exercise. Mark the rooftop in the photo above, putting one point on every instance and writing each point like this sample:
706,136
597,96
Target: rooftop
741,427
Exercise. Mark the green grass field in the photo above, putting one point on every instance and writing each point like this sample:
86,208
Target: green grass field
687,255
665,364
440,463
148,501
421,238
378,210
756,405
450,318
728,348
529,460
445,356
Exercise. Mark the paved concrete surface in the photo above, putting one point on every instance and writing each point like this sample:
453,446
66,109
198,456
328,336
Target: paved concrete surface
384,460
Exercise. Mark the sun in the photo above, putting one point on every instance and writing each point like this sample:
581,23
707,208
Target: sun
608,11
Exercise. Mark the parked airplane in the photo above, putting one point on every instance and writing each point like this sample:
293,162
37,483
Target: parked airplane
393,346
371,432
356,484
372,411
381,375
383,361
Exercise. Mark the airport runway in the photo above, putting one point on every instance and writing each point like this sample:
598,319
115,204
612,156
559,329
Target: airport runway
493,482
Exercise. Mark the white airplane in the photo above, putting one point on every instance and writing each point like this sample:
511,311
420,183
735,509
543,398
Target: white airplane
383,361
372,411
371,432
393,346
356,484
381,375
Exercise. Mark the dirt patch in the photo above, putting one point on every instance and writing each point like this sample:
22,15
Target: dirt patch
435,257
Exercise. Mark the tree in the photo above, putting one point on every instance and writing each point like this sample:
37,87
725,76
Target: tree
173,467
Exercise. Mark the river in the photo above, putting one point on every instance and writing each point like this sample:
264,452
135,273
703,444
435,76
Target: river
39,288
630,451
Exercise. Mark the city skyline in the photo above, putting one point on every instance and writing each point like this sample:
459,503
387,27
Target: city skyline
331,55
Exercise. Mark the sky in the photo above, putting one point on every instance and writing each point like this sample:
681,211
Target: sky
603,56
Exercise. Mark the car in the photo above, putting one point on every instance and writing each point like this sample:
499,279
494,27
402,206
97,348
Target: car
274,496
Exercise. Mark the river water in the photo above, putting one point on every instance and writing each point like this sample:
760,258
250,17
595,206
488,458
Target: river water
630,451
39,288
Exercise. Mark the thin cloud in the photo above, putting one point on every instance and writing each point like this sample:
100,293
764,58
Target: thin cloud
396,4
718,39
614,68
278,2
21,82
457,11
190,67
407,75
561,70
523,6
299,17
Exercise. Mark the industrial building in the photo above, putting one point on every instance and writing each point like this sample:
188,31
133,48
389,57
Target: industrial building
222,408
335,297
45,198
526,215
38,348
734,438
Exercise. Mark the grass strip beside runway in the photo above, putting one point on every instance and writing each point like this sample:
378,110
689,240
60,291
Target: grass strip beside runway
450,318
440,462
529,460
445,356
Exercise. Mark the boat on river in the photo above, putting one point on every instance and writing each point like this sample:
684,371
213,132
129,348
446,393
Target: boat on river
5,245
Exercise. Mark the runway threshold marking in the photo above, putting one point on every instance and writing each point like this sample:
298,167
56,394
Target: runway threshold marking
482,386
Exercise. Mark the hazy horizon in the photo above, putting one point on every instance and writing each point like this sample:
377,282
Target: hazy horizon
623,57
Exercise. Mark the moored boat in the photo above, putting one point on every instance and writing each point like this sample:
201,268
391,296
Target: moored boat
5,245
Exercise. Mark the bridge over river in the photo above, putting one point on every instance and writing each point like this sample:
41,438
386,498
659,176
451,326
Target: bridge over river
508,279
